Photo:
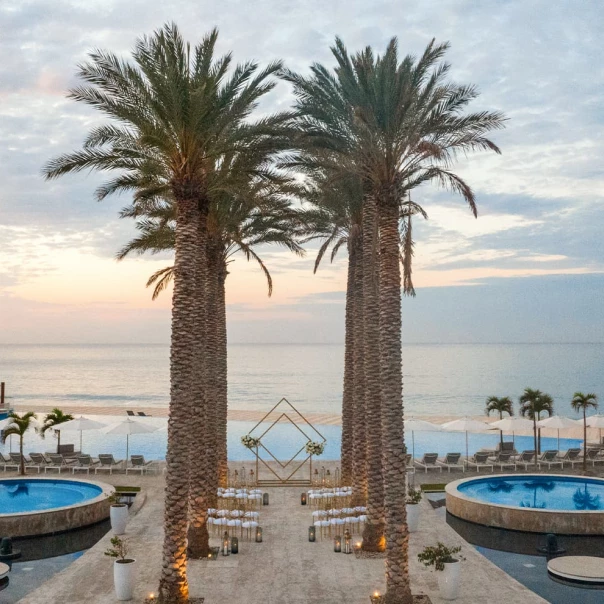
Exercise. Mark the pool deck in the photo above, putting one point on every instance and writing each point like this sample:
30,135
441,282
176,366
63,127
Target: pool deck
284,568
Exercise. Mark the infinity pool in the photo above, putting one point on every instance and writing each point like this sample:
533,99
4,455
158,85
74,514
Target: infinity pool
538,492
22,495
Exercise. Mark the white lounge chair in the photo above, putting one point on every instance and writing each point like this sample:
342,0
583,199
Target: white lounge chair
526,459
84,463
428,461
58,462
480,459
452,460
108,463
138,464
549,458
572,456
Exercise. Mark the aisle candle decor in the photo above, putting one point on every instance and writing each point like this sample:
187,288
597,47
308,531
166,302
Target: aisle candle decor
347,542
312,534
265,499
234,545
258,534
376,598
225,544
337,544
213,555
303,499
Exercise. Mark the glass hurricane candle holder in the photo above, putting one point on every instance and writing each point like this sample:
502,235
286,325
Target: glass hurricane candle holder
337,544
376,598
258,534
347,542
312,534
225,544
234,545
265,499
213,555
303,498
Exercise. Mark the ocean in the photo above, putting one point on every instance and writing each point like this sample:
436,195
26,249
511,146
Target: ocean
439,379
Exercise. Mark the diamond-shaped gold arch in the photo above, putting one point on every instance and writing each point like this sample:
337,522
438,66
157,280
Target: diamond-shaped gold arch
291,418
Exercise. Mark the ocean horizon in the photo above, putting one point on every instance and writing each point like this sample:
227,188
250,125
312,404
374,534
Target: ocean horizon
439,379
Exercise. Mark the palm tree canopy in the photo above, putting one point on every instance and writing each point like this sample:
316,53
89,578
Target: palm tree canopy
56,418
396,124
584,402
499,405
535,402
178,114
20,424
234,225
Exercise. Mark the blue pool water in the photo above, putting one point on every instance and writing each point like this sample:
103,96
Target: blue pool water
539,492
283,441
23,495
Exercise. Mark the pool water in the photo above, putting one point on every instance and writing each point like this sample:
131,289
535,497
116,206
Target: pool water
538,492
23,495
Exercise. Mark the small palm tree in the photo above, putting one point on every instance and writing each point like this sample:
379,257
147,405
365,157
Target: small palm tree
583,402
51,421
500,405
532,404
19,425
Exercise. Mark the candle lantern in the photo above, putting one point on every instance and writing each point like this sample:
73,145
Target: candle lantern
337,544
303,499
258,534
265,499
213,555
225,544
376,598
358,547
312,535
234,545
347,542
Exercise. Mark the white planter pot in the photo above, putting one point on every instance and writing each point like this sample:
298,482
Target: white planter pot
413,517
124,574
448,580
119,518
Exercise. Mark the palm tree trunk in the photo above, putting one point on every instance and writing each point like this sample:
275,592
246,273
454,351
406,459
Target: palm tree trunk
346,451
59,442
535,436
501,431
21,461
584,442
373,534
173,586
222,358
398,589
359,462
201,426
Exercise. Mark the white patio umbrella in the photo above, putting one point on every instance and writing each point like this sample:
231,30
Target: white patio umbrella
558,422
418,425
466,424
512,424
596,421
80,424
128,427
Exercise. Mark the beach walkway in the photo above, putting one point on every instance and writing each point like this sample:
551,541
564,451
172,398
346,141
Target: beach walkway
285,567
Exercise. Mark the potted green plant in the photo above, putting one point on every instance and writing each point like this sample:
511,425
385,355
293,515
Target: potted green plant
414,496
123,569
445,561
118,514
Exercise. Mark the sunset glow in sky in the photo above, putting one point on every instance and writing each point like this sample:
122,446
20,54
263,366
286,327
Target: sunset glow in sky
532,265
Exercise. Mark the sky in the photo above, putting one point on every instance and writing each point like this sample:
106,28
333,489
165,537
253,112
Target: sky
529,269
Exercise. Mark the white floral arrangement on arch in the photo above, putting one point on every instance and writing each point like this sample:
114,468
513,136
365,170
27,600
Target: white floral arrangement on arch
249,441
314,448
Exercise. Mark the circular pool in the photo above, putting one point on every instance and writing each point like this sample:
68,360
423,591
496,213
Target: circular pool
540,503
40,506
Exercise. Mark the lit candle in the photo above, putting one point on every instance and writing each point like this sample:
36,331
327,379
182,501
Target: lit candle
303,499
258,534
234,545
312,534
337,544
225,544
347,542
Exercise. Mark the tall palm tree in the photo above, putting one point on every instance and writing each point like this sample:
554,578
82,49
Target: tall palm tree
582,403
500,405
176,112
396,125
51,421
532,404
335,219
236,225
19,425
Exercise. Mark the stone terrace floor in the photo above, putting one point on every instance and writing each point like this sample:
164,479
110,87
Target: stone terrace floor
285,568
